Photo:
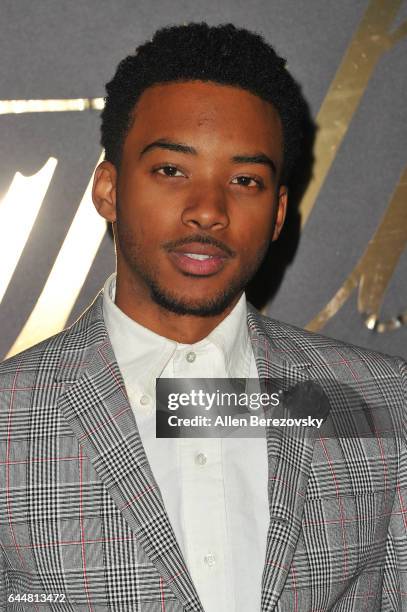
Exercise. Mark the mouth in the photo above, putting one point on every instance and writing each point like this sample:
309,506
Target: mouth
196,259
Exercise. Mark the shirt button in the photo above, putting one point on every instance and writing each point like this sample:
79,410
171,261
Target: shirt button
201,459
210,559
144,400
191,356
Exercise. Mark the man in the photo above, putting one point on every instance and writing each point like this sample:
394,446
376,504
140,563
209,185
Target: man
201,128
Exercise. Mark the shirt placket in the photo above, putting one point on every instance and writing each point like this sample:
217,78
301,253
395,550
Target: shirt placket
203,496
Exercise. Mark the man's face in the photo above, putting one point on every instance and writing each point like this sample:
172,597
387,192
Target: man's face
197,198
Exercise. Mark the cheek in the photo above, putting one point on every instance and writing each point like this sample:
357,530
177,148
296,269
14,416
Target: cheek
147,205
255,237
255,228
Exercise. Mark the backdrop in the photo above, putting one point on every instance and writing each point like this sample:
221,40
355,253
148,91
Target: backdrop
340,265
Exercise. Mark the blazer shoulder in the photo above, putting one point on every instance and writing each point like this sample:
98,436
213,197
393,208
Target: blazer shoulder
31,358
315,346
63,352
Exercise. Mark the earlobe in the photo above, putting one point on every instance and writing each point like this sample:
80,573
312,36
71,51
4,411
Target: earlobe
104,190
281,211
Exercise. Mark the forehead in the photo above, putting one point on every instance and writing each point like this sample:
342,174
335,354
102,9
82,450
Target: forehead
202,110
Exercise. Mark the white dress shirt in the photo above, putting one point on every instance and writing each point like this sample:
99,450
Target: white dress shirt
214,490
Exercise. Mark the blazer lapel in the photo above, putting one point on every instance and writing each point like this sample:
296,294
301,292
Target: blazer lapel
289,459
97,409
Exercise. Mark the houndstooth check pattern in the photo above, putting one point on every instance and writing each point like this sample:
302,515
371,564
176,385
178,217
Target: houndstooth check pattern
81,513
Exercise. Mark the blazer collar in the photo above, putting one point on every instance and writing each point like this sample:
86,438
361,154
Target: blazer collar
279,357
97,408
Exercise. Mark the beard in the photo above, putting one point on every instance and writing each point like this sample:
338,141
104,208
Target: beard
208,306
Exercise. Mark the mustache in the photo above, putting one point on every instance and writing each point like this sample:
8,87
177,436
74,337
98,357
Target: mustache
201,238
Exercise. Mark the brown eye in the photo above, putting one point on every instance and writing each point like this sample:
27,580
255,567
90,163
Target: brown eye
247,181
170,171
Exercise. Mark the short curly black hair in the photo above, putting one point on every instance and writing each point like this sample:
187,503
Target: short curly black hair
222,54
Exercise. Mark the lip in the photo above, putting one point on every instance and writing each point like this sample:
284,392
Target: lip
195,267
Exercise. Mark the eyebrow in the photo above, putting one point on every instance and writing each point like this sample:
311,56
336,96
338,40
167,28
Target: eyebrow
257,158
178,147
162,143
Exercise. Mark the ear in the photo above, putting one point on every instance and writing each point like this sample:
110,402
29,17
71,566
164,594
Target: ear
104,190
281,211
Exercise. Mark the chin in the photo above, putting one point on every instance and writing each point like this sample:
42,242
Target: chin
199,307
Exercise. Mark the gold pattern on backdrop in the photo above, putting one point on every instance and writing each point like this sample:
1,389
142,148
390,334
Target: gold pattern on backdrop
371,40
67,275
18,211
374,270
8,107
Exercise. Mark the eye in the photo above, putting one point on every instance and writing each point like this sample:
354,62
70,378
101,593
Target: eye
170,171
248,181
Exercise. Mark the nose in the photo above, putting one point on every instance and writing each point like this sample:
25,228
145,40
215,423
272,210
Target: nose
206,208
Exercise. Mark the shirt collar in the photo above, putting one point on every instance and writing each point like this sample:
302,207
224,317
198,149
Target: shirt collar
136,346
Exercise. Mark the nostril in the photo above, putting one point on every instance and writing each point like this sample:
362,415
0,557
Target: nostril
206,214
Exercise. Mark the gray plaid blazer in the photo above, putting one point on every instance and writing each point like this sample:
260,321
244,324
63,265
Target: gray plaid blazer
81,515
